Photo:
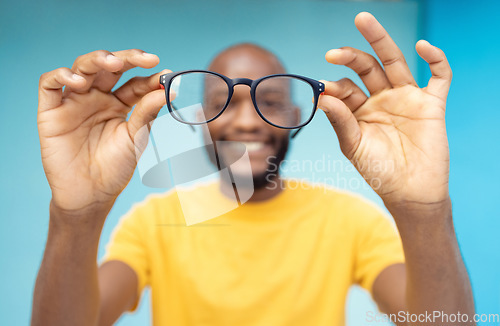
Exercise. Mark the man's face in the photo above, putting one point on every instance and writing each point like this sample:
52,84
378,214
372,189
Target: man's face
240,121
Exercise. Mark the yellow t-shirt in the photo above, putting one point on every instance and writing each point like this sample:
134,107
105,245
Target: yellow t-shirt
286,261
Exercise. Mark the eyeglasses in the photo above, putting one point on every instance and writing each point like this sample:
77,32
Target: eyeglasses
201,96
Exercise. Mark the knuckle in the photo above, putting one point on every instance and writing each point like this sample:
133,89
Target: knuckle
448,74
90,55
366,62
139,88
100,53
135,80
366,70
62,70
43,77
350,48
80,57
152,115
127,52
136,51
374,61
166,71
50,74
46,75
343,81
393,60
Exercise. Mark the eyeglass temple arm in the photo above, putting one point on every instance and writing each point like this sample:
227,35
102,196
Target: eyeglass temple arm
178,112
296,132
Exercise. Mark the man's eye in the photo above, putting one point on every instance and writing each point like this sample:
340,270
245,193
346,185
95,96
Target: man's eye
216,105
272,103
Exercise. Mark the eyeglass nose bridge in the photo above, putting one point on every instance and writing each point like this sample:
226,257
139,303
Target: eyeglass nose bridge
242,81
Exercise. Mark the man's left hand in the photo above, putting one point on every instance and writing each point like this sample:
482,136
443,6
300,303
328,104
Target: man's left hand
396,137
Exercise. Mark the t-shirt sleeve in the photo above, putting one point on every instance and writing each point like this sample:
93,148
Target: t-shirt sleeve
128,245
378,246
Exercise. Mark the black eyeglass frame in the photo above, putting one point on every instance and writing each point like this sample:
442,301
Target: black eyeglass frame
166,81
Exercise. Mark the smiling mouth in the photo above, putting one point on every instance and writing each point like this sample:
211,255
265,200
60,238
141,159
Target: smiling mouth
251,146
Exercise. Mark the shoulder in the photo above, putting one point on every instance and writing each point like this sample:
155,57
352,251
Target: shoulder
152,209
154,201
331,195
169,207
343,205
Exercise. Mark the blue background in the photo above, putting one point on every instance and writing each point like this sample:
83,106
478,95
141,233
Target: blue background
36,37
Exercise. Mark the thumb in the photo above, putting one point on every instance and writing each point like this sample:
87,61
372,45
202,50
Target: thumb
343,121
144,113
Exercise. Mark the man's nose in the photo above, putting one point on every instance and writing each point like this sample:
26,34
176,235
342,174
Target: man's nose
244,115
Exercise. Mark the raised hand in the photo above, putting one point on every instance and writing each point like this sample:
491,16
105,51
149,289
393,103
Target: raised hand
396,137
87,145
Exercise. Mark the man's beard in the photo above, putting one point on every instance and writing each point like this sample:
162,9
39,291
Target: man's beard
260,180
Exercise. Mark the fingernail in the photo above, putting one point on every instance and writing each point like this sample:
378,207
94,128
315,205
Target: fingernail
424,41
111,57
335,52
334,55
148,55
76,77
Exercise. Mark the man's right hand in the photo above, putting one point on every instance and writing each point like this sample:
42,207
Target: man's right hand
88,147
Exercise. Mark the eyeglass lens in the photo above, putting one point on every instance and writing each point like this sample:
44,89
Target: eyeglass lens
283,100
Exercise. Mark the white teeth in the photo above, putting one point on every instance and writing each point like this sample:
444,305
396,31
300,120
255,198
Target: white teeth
253,145
250,145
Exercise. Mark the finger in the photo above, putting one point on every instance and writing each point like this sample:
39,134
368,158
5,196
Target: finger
343,121
51,85
346,91
145,112
105,81
390,55
439,84
365,65
133,90
88,65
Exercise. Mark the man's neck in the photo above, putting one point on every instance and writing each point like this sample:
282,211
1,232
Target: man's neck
264,193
